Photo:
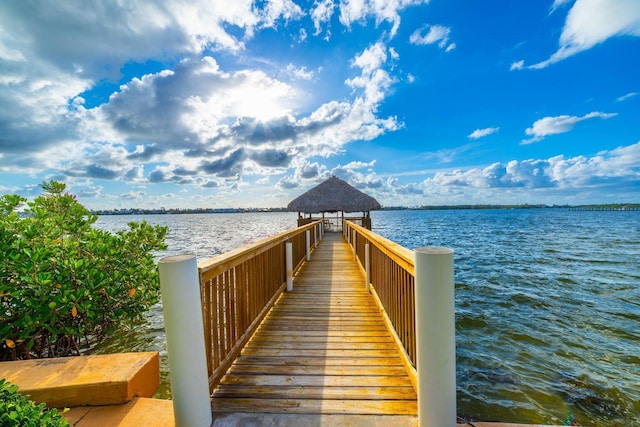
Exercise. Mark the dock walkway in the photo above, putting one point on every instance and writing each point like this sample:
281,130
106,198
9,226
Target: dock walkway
322,349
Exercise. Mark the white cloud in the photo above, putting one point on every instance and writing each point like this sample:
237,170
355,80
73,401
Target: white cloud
448,155
590,22
517,65
302,35
198,122
481,133
322,14
371,58
554,180
553,125
627,96
64,49
300,73
611,168
280,9
434,34
374,80
359,10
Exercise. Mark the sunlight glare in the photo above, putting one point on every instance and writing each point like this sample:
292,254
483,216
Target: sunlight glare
262,102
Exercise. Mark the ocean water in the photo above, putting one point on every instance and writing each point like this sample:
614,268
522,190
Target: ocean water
547,304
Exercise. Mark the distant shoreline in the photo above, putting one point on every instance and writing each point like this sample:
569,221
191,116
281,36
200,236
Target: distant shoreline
603,207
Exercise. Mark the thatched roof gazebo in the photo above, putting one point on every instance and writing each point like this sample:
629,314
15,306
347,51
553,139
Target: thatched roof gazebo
332,196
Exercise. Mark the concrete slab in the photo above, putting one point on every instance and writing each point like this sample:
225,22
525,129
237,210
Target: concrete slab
108,379
311,420
238,419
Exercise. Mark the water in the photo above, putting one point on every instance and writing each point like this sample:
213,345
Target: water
547,304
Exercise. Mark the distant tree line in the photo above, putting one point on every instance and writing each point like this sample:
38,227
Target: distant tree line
146,211
161,211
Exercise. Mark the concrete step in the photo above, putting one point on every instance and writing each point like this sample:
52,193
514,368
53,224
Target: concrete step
66,382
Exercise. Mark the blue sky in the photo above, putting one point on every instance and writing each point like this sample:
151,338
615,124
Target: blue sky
250,103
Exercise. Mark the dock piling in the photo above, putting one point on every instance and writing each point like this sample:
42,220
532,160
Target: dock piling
435,337
180,286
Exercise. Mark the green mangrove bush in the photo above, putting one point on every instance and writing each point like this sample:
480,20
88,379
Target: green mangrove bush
62,280
18,411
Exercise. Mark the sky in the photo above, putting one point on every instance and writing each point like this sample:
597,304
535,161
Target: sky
212,104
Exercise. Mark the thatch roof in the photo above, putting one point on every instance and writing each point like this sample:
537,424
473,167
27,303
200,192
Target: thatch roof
333,195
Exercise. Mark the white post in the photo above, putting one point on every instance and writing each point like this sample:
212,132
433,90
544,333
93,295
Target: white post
181,306
435,337
289,263
367,267
308,236
353,242
315,236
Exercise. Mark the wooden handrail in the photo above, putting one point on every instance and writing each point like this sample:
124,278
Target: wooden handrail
237,290
392,284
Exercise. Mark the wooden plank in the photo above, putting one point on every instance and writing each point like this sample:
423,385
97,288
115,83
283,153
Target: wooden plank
315,345
304,360
311,392
321,353
316,406
317,380
345,370
292,333
264,338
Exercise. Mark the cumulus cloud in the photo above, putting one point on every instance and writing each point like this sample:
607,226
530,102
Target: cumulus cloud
431,34
374,79
280,9
322,14
351,172
98,37
481,133
590,22
53,52
300,73
192,122
351,11
288,183
197,119
553,125
615,168
410,189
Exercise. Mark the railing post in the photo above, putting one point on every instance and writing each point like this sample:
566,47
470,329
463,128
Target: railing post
182,309
315,236
435,337
353,242
289,264
308,238
367,267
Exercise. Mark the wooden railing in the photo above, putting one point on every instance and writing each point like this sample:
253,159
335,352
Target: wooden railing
391,276
238,289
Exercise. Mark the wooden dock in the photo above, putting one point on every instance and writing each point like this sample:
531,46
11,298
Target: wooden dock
322,349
